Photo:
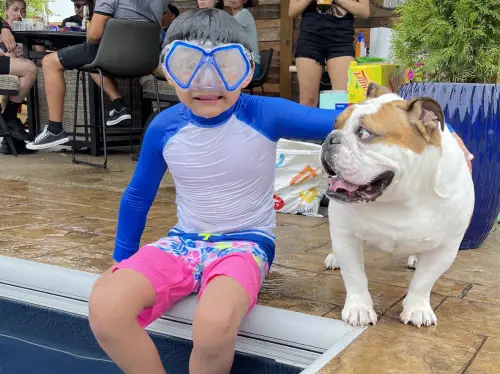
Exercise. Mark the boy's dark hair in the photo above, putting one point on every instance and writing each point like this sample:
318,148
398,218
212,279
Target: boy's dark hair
207,25
174,10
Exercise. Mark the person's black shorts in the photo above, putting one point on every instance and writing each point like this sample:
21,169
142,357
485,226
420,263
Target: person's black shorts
77,55
324,37
4,65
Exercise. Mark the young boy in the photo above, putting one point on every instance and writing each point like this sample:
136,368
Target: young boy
220,147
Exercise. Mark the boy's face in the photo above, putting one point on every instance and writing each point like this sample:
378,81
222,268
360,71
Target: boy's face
208,96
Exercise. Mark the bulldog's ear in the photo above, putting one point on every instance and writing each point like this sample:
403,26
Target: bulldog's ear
426,115
374,90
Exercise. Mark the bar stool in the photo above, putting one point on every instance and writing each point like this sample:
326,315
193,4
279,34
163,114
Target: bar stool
9,85
128,49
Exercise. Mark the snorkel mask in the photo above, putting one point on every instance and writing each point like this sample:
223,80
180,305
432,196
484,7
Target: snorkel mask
196,66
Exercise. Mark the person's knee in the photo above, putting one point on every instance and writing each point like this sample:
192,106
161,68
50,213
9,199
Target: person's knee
213,329
51,62
309,99
31,70
107,311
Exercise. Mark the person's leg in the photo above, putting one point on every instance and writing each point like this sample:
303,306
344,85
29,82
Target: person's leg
337,71
54,65
230,287
340,54
309,73
26,71
135,294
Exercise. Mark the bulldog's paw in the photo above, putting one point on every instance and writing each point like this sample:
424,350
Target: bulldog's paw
418,311
412,262
331,262
359,314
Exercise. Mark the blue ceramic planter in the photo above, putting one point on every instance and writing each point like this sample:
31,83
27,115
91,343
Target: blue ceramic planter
474,112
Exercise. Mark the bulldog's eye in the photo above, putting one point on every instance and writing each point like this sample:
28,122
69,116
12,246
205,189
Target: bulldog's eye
362,133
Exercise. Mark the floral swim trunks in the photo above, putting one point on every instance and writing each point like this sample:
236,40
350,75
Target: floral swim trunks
177,266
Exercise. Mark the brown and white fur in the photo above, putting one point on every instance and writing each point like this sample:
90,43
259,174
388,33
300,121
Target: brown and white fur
399,182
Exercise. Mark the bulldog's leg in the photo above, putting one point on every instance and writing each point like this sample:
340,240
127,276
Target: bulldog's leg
358,309
431,265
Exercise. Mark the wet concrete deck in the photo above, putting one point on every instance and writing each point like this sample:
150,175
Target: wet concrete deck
55,212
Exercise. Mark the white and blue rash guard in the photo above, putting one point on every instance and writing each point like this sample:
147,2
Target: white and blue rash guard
223,169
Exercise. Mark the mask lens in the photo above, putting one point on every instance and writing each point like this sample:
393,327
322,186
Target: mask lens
232,65
183,62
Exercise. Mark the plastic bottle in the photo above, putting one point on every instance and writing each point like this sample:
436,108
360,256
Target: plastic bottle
360,46
85,20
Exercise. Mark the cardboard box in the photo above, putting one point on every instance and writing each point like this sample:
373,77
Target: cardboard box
361,75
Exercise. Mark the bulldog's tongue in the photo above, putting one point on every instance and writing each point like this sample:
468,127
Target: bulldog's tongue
338,184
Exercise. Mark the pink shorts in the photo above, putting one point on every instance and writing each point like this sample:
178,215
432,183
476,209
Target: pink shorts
177,267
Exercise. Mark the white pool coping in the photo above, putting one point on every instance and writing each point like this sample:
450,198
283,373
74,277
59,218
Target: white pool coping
293,338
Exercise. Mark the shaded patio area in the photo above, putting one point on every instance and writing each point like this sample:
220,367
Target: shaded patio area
55,212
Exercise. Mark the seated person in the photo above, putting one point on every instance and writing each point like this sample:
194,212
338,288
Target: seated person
76,56
78,16
223,244
15,10
240,11
26,71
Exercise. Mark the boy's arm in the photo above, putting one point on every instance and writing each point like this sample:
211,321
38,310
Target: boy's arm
104,10
141,191
287,119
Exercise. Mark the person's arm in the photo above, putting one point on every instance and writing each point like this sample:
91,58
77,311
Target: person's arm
96,28
286,119
141,191
103,11
6,35
296,7
281,118
360,8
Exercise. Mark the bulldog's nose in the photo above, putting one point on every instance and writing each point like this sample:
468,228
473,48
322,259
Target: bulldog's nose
334,138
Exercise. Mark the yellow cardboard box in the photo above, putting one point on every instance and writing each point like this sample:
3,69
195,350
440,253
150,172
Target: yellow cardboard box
361,75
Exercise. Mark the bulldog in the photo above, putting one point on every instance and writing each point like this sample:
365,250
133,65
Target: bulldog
399,181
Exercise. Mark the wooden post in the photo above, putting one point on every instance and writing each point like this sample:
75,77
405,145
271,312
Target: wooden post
286,53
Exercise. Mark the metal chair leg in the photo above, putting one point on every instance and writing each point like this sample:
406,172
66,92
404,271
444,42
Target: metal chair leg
103,124
157,93
8,136
263,92
75,123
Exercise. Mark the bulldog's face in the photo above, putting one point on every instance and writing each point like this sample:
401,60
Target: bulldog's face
380,146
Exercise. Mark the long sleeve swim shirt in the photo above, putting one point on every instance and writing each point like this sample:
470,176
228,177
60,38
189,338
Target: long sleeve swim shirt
223,169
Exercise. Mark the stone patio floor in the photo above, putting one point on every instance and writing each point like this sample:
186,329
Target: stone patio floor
55,212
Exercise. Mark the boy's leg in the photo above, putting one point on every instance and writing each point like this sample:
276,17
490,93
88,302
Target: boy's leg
114,306
122,303
229,290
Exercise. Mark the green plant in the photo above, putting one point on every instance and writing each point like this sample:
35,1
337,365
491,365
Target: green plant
456,40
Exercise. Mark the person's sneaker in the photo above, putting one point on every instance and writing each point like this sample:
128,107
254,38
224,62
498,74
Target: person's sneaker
116,117
47,140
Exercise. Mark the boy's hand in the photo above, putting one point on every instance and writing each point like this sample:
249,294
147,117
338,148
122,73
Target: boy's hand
468,156
8,39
